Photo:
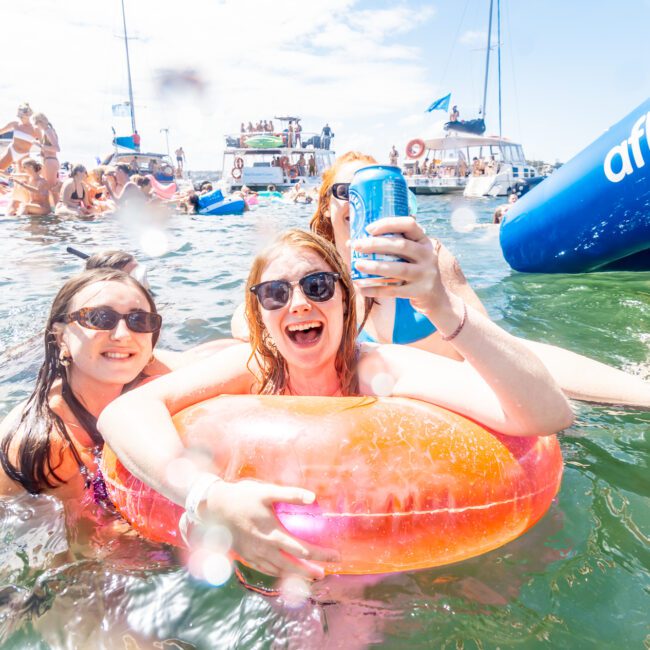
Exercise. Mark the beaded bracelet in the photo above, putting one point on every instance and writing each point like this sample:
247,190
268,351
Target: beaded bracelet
198,492
456,332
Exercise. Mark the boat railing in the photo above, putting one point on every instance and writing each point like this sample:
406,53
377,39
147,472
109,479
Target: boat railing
304,139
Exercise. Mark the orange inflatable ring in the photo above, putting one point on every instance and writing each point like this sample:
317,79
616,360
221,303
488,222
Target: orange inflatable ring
400,484
415,148
239,163
235,172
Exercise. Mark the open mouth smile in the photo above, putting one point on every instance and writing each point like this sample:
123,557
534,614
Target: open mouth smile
305,334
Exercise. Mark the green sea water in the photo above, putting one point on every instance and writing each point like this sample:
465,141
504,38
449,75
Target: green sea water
579,579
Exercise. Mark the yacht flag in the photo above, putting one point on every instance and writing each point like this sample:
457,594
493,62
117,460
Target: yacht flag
441,104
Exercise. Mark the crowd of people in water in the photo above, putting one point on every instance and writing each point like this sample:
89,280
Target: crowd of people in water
303,328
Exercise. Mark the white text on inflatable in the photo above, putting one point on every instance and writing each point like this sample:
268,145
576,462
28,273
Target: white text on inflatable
622,152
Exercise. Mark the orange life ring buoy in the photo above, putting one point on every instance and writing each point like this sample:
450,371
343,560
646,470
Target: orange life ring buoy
415,148
389,474
235,172
239,163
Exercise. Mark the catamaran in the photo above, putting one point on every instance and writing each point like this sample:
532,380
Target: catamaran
464,159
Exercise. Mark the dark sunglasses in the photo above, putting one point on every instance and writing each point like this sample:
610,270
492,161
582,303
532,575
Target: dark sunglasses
274,294
341,191
106,318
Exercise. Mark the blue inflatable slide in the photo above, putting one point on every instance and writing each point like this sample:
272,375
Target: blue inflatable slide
592,214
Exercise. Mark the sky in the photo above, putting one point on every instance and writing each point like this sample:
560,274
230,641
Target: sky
570,69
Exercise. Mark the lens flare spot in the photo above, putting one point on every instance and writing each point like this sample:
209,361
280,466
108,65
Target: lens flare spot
383,384
179,472
295,592
154,242
463,219
216,568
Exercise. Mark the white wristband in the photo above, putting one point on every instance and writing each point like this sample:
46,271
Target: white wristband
198,492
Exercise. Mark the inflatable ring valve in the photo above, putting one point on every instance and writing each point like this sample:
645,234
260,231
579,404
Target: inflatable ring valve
400,484
415,148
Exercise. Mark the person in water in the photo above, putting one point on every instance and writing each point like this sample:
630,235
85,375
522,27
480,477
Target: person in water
162,361
301,310
25,136
49,141
99,339
75,198
32,194
392,320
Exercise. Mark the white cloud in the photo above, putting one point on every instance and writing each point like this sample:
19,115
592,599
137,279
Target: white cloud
326,60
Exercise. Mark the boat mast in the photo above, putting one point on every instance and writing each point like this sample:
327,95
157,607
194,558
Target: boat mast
128,69
499,58
487,59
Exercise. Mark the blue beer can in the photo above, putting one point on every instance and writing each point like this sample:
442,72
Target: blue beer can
376,191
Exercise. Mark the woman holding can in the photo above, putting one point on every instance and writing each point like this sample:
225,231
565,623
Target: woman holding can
393,320
301,311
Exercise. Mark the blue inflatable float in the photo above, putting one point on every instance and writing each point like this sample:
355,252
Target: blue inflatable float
592,214
215,204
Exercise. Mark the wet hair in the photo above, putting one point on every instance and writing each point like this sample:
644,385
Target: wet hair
273,372
123,167
77,169
140,180
41,117
24,109
116,260
193,200
321,223
34,164
35,465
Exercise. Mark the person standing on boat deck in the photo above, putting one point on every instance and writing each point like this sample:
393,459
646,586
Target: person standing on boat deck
454,116
393,156
302,165
136,140
312,165
49,141
25,136
326,135
180,158
133,165
491,166
298,134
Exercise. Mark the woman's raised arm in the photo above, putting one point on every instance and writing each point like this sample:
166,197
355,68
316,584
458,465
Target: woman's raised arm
502,384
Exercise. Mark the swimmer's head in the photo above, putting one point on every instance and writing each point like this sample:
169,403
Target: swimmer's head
267,351
40,119
24,110
119,261
78,169
321,222
30,162
513,198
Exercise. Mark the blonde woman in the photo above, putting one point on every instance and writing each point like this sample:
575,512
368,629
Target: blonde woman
49,141
25,137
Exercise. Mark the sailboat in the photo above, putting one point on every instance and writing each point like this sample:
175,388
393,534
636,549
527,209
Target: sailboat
465,160
127,148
